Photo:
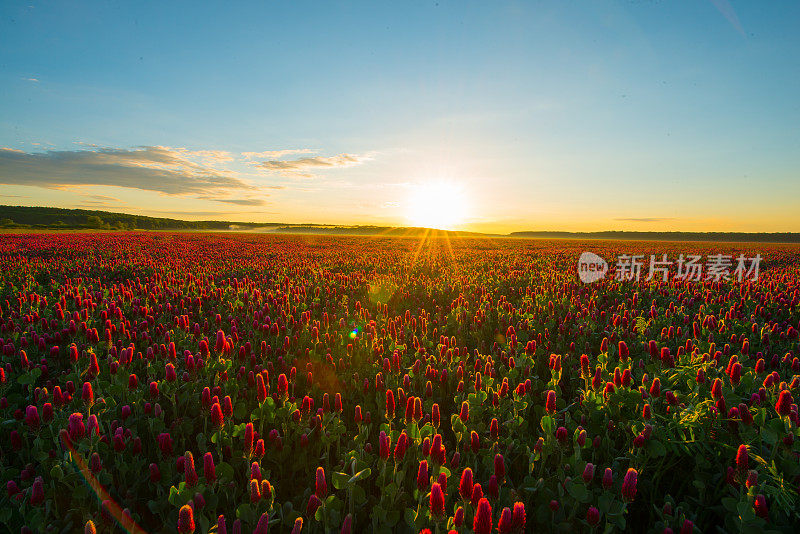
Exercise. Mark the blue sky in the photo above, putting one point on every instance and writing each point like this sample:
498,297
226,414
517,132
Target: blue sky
536,115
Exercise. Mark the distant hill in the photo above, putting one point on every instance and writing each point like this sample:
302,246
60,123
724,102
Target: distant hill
42,218
738,237
69,219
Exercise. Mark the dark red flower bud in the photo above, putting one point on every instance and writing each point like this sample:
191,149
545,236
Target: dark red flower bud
283,386
217,419
155,474
458,518
423,480
390,405
593,516
477,494
482,523
255,491
760,506
347,525
75,427
313,503
629,484
357,417
784,404
248,439
437,502
499,466
32,417
742,458
550,404
588,472
716,389
169,373
209,470
624,353
384,444
37,492
87,395
255,471
263,524
321,486
188,469
186,520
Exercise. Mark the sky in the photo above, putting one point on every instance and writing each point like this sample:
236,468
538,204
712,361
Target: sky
483,116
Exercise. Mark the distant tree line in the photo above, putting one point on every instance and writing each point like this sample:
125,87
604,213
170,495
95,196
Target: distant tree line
61,218
739,237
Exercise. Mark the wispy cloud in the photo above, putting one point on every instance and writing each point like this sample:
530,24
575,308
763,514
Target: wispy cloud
302,167
150,168
275,154
215,215
104,198
645,219
239,201
34,80
206,156
725,7
94,204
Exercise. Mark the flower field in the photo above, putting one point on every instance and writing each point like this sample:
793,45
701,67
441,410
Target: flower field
156,382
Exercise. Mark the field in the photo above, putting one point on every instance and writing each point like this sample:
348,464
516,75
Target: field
157,382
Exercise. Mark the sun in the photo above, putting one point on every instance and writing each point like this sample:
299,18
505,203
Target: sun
440,205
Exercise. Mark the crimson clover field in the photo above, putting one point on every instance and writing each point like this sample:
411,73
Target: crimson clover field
156,382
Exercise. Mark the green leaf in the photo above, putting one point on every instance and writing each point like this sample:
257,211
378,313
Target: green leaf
769,435
174,497
548,425
359,496
245,512
379,514
392,517
30,377
413,431
224,471
578,492
746,512
364,473
340,480
604,502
